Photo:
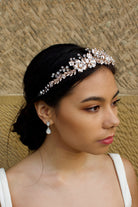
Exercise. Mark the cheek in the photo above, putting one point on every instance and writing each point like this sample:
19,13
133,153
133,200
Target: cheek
77,124
78,130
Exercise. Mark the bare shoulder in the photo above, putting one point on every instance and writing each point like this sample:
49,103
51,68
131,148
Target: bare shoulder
18,174
132,181
26,171
16,177
14,172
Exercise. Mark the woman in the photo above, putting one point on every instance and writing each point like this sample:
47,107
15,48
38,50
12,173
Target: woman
69,120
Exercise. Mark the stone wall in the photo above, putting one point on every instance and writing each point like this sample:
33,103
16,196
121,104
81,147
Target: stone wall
28,26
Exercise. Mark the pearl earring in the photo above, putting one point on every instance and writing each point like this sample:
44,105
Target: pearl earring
48,130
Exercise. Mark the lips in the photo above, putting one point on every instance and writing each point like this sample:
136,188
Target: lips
107,140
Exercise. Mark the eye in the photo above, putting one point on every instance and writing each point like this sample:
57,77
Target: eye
93,109
115,103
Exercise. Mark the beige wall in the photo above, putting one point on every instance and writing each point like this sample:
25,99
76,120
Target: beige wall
28,26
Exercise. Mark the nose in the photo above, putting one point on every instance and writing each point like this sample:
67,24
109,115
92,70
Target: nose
111,119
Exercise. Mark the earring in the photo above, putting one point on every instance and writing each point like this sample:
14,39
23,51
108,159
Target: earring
48,130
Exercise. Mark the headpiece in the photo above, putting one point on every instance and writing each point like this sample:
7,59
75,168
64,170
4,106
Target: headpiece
80,64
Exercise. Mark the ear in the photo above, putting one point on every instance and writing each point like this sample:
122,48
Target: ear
44,111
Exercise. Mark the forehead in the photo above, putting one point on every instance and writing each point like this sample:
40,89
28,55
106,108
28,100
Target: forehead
100,83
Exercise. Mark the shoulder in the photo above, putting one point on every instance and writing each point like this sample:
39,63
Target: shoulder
130,172
132,181
20,174
20,177
25,172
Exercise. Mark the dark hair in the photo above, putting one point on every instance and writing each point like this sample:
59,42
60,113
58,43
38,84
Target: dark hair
28,125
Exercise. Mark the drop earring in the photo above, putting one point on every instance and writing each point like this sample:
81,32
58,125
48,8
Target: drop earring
48,130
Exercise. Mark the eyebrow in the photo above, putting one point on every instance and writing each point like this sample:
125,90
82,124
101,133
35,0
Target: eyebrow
96,98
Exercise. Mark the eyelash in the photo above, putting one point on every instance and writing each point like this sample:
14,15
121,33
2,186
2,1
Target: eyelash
115,103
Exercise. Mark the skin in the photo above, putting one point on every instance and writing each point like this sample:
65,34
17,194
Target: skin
71,168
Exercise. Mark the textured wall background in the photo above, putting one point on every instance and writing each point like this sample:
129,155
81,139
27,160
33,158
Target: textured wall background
28,26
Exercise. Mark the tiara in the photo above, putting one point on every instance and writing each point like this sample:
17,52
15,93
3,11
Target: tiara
80,64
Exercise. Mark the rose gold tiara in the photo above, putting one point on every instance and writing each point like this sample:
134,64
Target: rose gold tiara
79,64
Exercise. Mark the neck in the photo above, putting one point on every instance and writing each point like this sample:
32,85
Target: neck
58,157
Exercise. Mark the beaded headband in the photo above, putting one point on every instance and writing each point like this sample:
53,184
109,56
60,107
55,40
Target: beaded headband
88,60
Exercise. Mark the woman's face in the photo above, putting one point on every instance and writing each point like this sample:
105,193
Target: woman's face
89,114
